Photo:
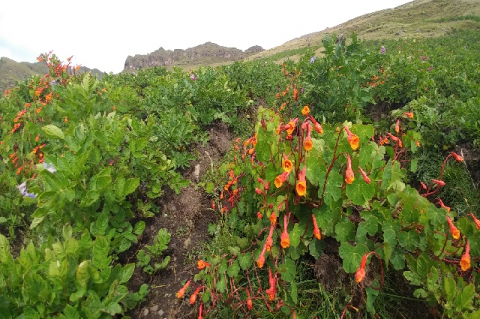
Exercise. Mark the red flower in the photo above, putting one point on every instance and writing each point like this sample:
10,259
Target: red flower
261,258
352,139
269,242
364,175
181,292
397,126
443,205
360,273
465,262
349,175
409,115
285,239
202,264
249,301
476,221
453,230
306,110
280,179
273,218
457,157
316,230
272,291
193,297
439,183
301,186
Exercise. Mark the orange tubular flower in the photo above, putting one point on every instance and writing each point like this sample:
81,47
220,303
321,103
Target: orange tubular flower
272,291
465,262
349,175
308,144
193,297
352,139
439,183
301,183
200,311
286,164
295,94
249,301
285,239
453,230
202,264
360,273
261,258
316,230
397,126
273,218
181,292
280,179
457,157
290,127
442,205
306,110
364,175
476,221
409,115
269,242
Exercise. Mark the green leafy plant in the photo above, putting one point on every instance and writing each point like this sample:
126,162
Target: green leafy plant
69,278
155,251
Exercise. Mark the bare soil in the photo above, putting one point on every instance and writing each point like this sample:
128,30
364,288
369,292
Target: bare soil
186,217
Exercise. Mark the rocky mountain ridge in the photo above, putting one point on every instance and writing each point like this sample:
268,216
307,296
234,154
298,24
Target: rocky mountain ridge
207,53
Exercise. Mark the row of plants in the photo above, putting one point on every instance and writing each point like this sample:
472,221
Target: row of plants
307,174
84,162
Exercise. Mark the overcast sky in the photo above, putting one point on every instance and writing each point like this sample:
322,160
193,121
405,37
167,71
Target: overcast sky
102,33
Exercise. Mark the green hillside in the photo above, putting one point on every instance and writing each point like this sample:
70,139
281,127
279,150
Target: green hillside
12,72
414,20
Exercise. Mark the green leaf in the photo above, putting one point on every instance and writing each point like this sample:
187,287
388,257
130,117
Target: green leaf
130,186
409,239
53,131
295,235
293,292
288,270
139,228
464,300
221,286
450,288
345,231
316,247
371,296
360,192
100,251
126,273
387,252
81,274
233,269
113,309
119,187
245,261
352,256
333,190
209,188
4,249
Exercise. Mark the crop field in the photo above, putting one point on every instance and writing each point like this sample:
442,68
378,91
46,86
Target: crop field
339,184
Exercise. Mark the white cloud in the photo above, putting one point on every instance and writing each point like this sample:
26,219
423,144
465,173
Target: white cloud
102,33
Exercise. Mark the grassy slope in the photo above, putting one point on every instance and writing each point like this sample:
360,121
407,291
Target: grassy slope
415,19
11,71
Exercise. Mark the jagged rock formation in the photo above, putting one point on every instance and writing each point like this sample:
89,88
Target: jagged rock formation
205,54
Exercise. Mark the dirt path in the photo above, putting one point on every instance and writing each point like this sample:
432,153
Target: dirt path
186,217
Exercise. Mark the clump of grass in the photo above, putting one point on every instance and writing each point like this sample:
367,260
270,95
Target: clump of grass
459,192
